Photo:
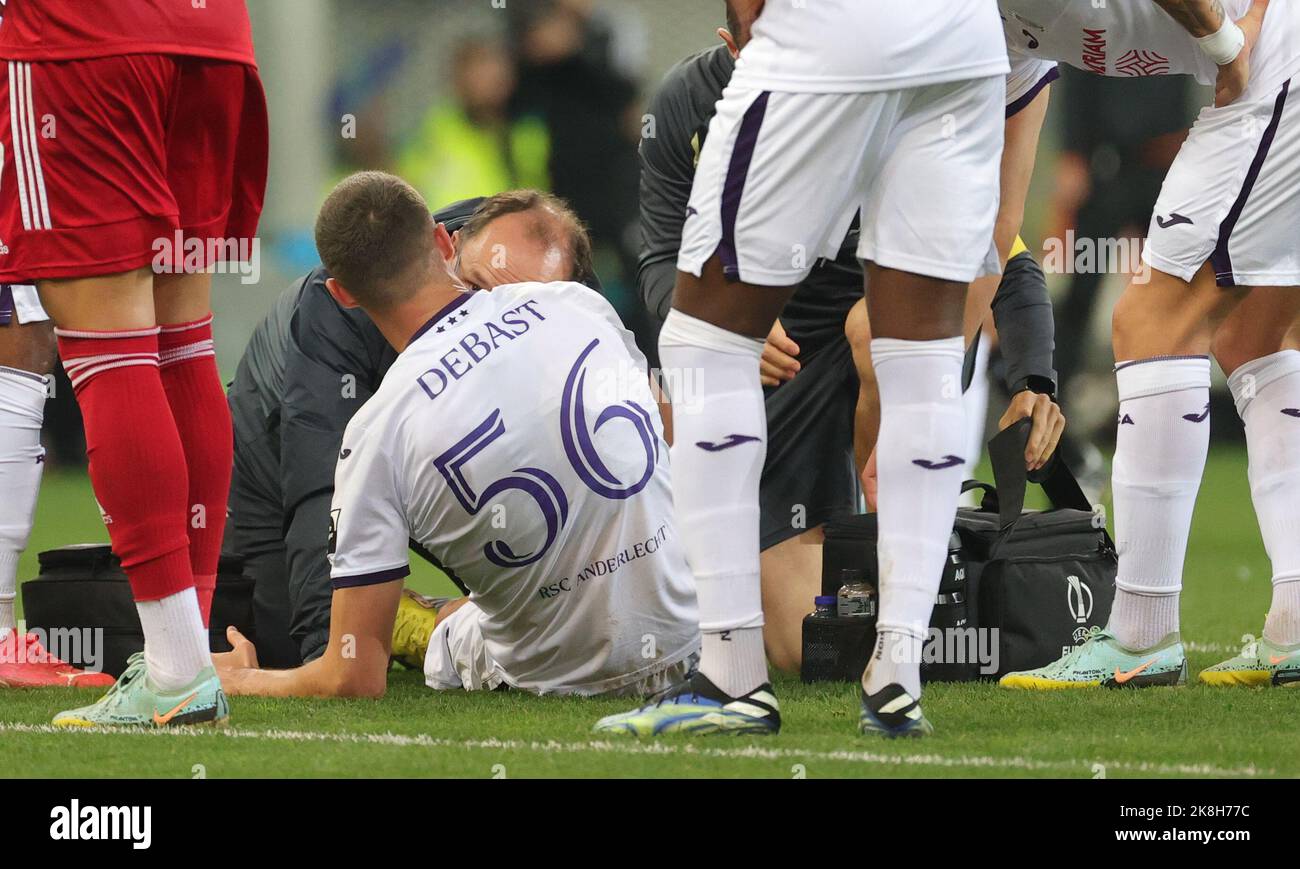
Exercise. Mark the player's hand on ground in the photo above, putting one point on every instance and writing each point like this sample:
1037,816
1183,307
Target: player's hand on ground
231,666
1234,77
870,481
778,363
1048,425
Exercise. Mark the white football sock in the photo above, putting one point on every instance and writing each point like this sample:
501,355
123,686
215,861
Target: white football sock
975,402
22,459
719,445
175,641
918,454
1160,451
1267,393
1282,625
895,661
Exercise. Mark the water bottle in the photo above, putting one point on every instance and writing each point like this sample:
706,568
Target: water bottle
825,606
857,596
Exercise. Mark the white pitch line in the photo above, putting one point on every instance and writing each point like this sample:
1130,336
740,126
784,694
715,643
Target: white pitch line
661,749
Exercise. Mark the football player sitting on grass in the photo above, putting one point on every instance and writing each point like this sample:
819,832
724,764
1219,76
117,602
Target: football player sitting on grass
516,441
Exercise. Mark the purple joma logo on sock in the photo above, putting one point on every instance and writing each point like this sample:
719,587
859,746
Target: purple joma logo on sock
1198,417
734,440
941,465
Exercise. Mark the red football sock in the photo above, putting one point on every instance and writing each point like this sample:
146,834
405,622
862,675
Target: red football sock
198,402
137,465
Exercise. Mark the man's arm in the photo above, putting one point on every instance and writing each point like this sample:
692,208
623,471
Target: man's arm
331,369
367,539
1227,43
1022,310
667,159
1019,154
354,664
1200,18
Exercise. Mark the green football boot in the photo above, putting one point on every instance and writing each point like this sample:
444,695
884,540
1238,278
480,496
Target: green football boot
1100,661
134,702
1260,663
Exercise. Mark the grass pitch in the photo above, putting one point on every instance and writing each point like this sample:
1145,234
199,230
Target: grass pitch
982,730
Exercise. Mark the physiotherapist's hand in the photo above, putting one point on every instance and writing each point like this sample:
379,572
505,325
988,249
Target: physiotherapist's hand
778,363
1048,425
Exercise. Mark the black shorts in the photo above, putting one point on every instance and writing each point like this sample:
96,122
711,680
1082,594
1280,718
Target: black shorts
810,476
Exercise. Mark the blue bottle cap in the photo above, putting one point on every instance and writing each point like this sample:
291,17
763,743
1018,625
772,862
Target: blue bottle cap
824,600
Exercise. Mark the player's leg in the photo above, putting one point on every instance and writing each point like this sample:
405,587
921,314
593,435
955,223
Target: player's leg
188,367
26,359
109,347
216,169
918,351
27,356
716,328
927,234
1162,343
1162,333
1224,220
1264,376
769,199
92,253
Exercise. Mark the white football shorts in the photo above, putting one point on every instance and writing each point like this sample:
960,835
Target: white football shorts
1232,197
457,658
782,175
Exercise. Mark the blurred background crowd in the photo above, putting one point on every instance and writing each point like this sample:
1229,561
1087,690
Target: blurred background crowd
470,97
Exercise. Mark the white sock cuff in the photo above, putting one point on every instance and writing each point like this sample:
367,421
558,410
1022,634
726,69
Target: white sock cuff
889,349
1161,375
902,629
1149,590
739,595
1255,376
683,330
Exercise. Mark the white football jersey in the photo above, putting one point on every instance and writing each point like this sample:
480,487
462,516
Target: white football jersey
1138,38
860,46
516,440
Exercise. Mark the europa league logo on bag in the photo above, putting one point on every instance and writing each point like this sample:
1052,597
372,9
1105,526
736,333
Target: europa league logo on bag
1079,599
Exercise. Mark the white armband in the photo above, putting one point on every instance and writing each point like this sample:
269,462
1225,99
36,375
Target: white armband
1224,46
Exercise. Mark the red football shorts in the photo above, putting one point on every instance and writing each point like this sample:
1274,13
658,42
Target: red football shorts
104,160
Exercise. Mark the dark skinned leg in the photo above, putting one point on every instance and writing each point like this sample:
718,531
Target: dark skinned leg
746,309
718,455
913,307
29,347
25,351
918,461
